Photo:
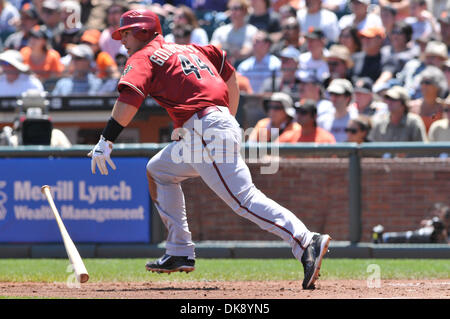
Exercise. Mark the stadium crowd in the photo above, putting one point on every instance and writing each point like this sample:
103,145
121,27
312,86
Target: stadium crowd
328,70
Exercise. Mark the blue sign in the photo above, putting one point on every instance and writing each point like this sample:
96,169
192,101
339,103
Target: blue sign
94,208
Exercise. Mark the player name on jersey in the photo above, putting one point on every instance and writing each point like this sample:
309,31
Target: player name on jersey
161,55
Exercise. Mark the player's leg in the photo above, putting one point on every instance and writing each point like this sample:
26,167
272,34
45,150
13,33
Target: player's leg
165,174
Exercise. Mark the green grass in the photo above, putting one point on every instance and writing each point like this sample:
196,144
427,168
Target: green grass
132,270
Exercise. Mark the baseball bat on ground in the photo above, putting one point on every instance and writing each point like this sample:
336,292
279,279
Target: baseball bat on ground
72,252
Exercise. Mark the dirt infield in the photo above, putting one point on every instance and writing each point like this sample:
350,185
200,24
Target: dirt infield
330,289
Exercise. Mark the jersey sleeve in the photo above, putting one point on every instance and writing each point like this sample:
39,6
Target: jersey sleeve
136,76
219,59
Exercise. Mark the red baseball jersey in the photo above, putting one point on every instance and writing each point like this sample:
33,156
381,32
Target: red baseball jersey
181,78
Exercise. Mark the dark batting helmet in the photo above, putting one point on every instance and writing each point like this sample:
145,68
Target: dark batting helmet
143,24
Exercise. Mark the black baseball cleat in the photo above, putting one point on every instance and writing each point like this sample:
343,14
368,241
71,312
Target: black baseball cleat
312,259
169,264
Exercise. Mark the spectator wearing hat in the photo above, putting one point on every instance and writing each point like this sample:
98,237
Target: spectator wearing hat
8,16
43,60
306,116
15,77
311,88
105,66
106,42
446,70
313,15
28,19
262,64
360,16
290,37
365,100
341,93
236,38
72,29
339,62
358,129
398,125
435,54
280,123
313,60
51,17
286,81
370,61
81,79
440,129
433,85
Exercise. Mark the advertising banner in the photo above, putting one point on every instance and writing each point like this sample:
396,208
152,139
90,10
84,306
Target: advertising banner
94,208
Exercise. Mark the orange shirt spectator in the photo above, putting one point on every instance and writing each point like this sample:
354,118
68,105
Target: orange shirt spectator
280,122
309,131
44,61
106,66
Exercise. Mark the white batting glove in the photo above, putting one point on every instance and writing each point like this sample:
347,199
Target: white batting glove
100,154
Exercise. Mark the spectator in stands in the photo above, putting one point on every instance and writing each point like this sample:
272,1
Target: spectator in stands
265,19
286,11
181,34
311,88
43,60
398,125
370,62
341,93
286,81
401,6
365,100
281,6
185,16
339,62
236,37
446,70
358,129
72,30
306,115
444,23
9,16
280,123
318,18
15,77
82,80
433,85
360,17
105,65
440,130
421,20
313,60
261,65
51,16
400,49
291,37
349,37
435,54
106,42
28,19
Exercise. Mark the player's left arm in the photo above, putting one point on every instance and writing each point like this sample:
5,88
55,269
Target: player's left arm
233,93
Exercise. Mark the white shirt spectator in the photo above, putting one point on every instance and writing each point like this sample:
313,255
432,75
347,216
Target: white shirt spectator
198,36
257,72
232,40
307,65
108,44
325,20
23,83
371,20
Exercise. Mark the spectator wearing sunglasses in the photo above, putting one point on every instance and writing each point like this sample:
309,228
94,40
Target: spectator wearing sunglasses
398,125
341,94
433,85
290,37
358,129
440,129
280,123
306,115
365,100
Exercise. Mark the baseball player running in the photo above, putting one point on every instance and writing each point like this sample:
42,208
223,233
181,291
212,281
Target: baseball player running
198,88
